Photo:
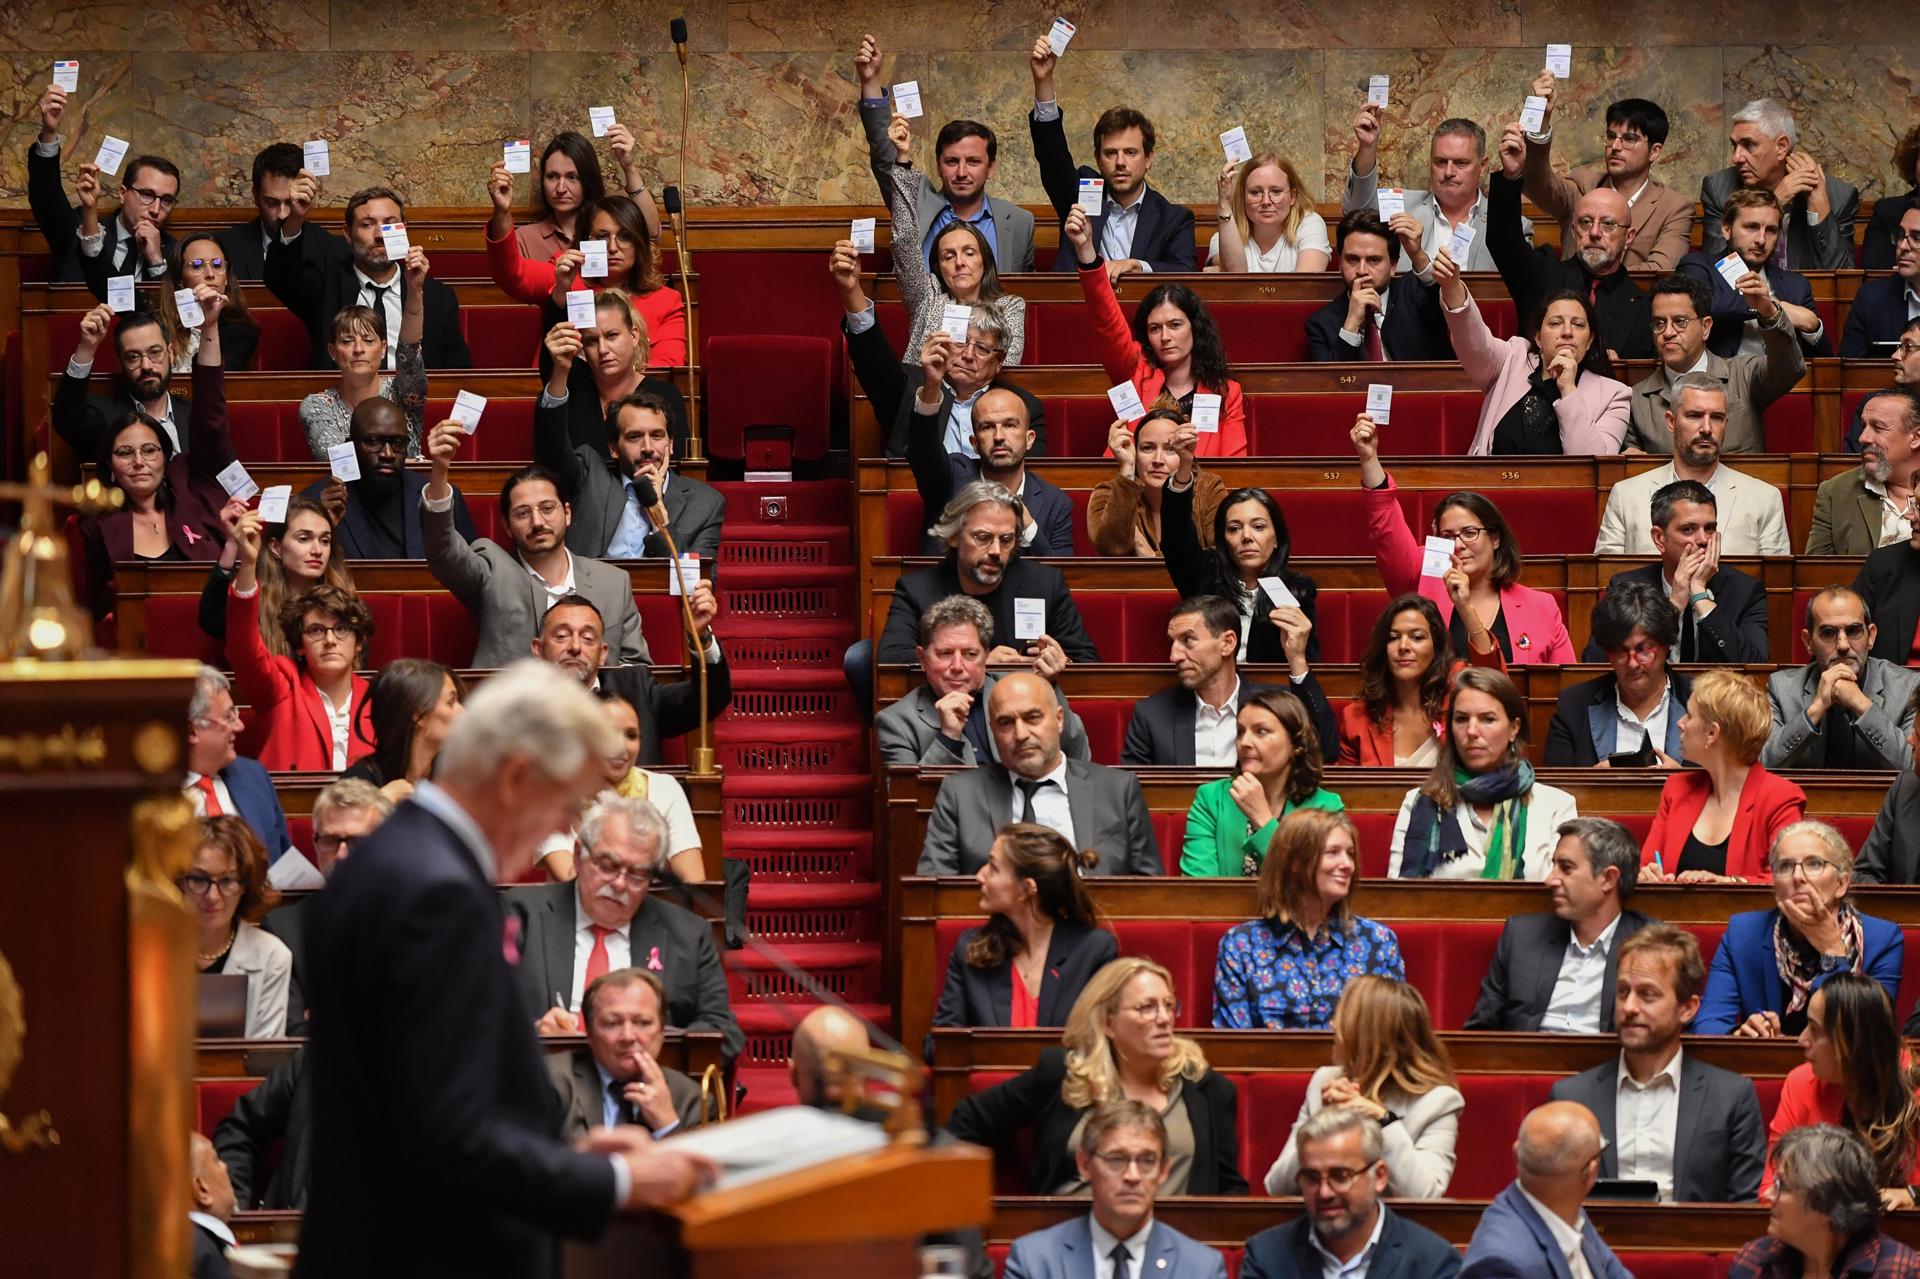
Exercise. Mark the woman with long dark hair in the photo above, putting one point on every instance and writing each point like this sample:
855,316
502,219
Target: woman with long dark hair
195,260
1397,721
1250,541
411,705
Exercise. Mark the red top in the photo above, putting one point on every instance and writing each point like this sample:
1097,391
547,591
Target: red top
1126,362
290,721
1026,1005
1370,745
1806,1100
526,280
1767,804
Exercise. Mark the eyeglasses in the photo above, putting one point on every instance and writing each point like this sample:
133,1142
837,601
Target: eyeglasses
980,350
1854,631
1341,1179
1906,348
1906,237
1587,223
1468,533
145,452
1119,1163
231,717
200,885
150,198
313,632
384,443
983,539
1642,652
546,510
331,844
1153,1010
201,264
1809,868
607,866
1679,323
1626,139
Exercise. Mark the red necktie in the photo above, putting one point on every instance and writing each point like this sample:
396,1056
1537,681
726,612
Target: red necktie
597,962
1593,290
205,786
1372,349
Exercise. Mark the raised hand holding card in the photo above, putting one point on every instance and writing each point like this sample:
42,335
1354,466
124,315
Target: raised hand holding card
954,321
1093,196
120,292
1276,590
234,479
518,156
1234,143
593,259
1029,618
580,309
862,235
1560,60
1533,113
1437,558
686,575
1060,36
112,151
1732,268
1461,244
273,503
601,118
189,308
1380,402
467,408
393,237
1393,200
66,75
1377,91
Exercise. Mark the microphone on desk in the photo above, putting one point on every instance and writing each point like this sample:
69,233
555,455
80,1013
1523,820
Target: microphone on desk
700,757
670,196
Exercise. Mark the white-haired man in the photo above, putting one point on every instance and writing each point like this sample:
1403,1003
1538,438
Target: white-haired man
1819,210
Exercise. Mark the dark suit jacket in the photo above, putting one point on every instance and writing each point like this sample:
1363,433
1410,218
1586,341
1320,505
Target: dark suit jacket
259,804
1891,854
425,1026
82,420
1624,312
1735,632
275,1113
1405,1251
1415,327
59,223
1585,730
1161,728
209,1255
1108,808
587,425
1827,247
984,996
1526,963
1719,1139
939,474
1511,1242
363,535
1889,581
1162,238
286,923
1188,564
240,245
891,386
576,1078
668,710
1873,325
314,278
688,959
1031,1099
914,593
1876,249
1730,311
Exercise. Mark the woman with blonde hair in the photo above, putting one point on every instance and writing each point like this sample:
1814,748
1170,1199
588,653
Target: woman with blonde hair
1119,1043
1267,221
1389,1066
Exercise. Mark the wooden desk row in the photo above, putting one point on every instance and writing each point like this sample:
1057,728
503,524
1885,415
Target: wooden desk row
688,1051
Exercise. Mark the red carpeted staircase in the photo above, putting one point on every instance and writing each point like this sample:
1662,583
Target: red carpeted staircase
797,793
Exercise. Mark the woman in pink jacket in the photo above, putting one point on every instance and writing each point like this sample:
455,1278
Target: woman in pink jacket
1479,596
1554,393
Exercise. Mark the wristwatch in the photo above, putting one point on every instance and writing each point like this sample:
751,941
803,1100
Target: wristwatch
1697,596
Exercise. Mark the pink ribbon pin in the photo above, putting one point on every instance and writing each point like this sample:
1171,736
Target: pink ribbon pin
653,960
510,940
192,536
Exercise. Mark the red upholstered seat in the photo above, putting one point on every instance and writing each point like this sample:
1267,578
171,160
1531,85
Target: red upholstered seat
300,830
213,1100
256,431
769,399
1544,521
1144,619
283,344
1170,830
1106,722
1082,534
1077,425
1269,1104
1316,425
1789,424
1333,521
505,433
1676,1265
1376,842
904,523
1169,943
1345,619
503,337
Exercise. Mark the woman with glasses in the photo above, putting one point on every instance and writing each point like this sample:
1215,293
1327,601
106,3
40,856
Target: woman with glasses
359,350
1635,712
227,888
1267,223
1389,1066
300,553
1478,590
1717,820
193,261
412,705
1826,1213
1287,969
1770,962
1118,1044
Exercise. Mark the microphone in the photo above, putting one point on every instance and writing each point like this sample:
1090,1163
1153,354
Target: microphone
678,29
670,196
650,500
699,758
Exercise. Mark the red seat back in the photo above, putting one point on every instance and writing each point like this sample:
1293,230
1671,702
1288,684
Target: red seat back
283,344
1106,721
769,381
1789,424
214,1099
503,337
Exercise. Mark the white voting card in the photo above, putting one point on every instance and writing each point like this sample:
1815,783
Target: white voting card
393,236
1029,618
686,577
1125,399
344,461
1732,268
120,292
518,155
1060,36
862,235
602,119
1393,200
580,310
66,75
1560,60
1234,143
906,99
593,259
467,408
1533,113
1461,244
1437,559
112,151
954,320
316,159
1093,196
1277,592
1380,402
273,503
1206,412
235,480
1377,90
189,308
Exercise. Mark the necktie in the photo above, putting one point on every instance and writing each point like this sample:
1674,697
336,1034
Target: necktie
1122,1263
1371,348
621,1106
1027,791
1780,249
1593,290
205,787
597,963
378,294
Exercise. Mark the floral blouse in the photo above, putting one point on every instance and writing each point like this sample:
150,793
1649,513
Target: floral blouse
921,289
326,416
1265,980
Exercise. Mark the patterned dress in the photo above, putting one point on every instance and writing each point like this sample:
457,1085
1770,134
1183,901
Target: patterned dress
1283,980
326,416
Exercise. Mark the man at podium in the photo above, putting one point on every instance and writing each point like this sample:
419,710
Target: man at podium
432,1113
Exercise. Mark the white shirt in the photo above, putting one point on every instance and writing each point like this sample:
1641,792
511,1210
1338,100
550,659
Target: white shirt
1216,730
1894,525
215,1227
390,303
1574,1007
610,1109
1653,727
1565,1237
554,593
84,370
1104,1243
341,718
1284,256
198,797
1645,1118
619,952
1050,806
1331,1267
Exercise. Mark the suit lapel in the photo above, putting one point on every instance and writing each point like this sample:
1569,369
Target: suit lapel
1686,1124
1078,1247
1603,726
587,1104
556,943
1548,971
1080,806
1675,709
1187,704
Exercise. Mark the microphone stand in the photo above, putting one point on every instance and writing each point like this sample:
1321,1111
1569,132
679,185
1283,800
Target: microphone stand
676,214
700,758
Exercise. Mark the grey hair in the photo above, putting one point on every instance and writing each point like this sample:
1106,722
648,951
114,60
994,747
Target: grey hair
1832,1172
1832,843
988,321
1698,380
968,496
1771,117
351,793
208,683
533,710
1608,843
642,818
1335,1121
957,610
1460,127
1835,592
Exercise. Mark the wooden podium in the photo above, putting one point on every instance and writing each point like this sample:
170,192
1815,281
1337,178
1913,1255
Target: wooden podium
860,1216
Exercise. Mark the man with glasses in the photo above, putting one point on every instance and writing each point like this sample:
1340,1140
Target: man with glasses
605,920
1345,1229
220,782
1723,612
1844,708
1751,223
492,580
344,813
135,242
1884,307
1122,1157
1536,1226
143,384
1871,506
1695,414
377,517
1636,133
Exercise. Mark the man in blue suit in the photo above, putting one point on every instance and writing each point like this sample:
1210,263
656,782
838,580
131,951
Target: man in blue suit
1342,1176
1535,1229
1750,226
220,782
1123,1160
1882,307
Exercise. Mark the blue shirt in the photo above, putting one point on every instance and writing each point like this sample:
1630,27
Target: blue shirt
947,217
1288,981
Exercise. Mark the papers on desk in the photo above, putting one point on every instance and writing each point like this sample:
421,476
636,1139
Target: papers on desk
776,1142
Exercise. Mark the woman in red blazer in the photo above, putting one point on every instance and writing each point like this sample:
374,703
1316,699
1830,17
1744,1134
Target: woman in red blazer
1404,675
1716,822
309,710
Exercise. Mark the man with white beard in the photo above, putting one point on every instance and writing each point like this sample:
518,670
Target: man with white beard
605,920
1859,511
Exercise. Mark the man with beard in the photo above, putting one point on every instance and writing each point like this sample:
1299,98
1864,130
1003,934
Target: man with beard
1089,805
275,169
1345,1229
1858,511
1906,376
1752,227
1636,134
1692,1129
605,920
146,372
1379,315
1843,709
1680,321
980,528
1001,440
1603,228
1753,520
377,517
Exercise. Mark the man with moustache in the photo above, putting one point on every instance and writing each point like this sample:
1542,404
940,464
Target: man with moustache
146,373
1871,506
1844,708
1680,322
1906,377
1457,163
377,517
1636,134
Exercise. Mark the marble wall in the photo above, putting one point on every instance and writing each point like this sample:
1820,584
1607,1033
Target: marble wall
420,94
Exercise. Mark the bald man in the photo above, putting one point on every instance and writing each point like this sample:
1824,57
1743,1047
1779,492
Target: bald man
213,1206
1535,1228
377,517
1602,228
1091,805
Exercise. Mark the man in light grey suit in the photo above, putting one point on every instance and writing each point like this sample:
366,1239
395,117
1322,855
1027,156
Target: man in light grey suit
1535,1226
617,1078
1457,160
1692,1129
1844,708
1123,1160
966,152
944,721
1092,806
1820,210
509,591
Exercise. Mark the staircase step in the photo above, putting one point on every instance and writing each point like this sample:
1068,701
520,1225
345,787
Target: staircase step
823,593
758,643
809,746
769,1029
777,546
820,696
812,896
848,970
812,923
829,802
766,1088
782,858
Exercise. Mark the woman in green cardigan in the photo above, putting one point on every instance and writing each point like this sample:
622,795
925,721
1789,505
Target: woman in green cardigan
1232,820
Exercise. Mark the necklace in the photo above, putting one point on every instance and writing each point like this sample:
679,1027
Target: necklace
231,937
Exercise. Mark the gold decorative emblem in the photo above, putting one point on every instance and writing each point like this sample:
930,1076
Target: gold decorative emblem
37,1129
156,747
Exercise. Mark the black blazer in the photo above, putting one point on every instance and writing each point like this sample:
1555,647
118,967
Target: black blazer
1515,991
1735,632
1624,312
1415,327
240,244
1873,325
891,385
1891,854
587,425
314,278
939,474
365,535
984,996
1406,1251
914,593
1876,250
1730,311
1031,1099
1570,741
1162,238
668,710
276,1113
1889,581
482,1175
59,223
209,1255
82,419
1187,565
1161,728
285,922
1719,1139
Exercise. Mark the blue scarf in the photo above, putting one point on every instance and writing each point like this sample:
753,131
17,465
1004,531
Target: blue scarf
1434,837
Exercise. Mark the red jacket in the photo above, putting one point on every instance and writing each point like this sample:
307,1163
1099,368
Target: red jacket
1804,1101
1370,745
1767,804
290,722
1126,362
525,280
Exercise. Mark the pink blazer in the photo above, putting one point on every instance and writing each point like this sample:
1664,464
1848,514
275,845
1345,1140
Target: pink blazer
1592,420
1534,623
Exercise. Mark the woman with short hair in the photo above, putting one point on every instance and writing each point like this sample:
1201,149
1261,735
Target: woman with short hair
1825,1214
